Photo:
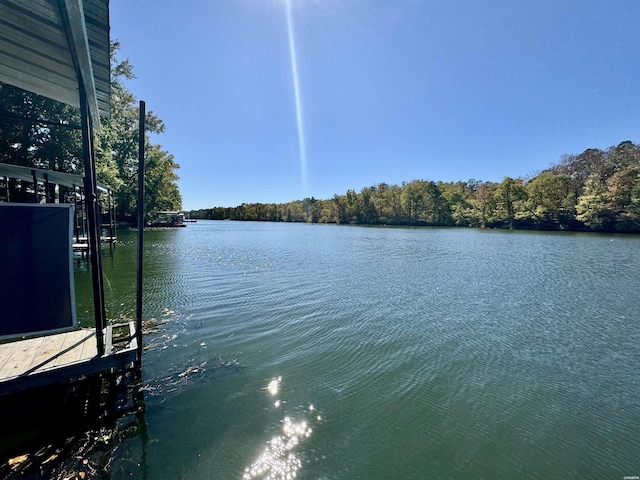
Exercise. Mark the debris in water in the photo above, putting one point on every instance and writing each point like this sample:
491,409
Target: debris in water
15,461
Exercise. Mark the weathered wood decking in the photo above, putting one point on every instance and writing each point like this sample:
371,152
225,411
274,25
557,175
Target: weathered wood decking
57,358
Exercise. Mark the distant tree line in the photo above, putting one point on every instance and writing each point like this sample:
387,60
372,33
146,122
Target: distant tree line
39,132
597,190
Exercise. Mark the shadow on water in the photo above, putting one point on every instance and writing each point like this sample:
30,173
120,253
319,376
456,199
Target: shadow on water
70,431
77,430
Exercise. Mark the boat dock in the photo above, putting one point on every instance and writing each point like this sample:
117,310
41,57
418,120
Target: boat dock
57,358
59,49
83,244
47,213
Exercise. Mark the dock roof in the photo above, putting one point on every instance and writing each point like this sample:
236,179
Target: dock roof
51,47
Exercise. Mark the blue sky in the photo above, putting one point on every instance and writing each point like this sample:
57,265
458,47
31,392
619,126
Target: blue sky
389,90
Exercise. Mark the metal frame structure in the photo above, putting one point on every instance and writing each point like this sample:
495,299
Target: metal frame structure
34,176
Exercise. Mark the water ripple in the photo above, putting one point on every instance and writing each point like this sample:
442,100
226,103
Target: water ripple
443,353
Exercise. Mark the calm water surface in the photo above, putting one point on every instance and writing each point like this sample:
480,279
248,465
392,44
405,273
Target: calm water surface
335,352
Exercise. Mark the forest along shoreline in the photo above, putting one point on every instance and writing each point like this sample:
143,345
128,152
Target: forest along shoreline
597,190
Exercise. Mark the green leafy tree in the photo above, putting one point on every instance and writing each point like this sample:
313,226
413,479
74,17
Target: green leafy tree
622,194
424,204
550,199
508,196
117,150
341,208
368,212
38,132
310,210
388,204
162,192
579,167
593,205
485,204
295,212
459,197
328,211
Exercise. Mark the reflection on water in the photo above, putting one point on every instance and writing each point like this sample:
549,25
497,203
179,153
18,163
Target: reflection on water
278,460
274,386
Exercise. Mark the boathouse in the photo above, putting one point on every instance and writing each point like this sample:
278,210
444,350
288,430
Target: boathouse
58,49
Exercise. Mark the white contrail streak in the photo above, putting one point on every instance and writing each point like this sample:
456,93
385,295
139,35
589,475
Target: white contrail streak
296,91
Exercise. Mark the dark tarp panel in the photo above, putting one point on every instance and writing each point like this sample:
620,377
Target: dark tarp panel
36,269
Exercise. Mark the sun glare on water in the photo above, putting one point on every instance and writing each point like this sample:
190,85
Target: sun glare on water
274,386
278,460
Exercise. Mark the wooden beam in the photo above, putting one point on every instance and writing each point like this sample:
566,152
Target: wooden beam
68,372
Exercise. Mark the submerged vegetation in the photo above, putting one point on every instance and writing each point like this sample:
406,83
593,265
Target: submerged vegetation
39,132
597,190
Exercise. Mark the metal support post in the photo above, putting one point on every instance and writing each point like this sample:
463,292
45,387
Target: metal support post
35,187
91,200
141,139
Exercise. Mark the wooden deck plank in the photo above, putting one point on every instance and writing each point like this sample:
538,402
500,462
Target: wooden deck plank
79,351
22,357
50,346
6,350
89,348
24,365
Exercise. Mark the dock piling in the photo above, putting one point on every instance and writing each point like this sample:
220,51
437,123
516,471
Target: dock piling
140,229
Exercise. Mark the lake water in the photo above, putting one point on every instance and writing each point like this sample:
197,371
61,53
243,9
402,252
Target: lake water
337,352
